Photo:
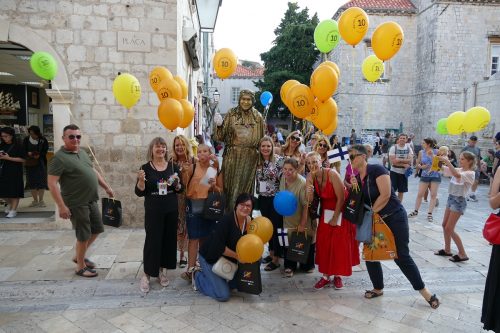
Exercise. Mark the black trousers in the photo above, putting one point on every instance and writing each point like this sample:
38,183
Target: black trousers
377,149
398,223
304,267
267,210
160,245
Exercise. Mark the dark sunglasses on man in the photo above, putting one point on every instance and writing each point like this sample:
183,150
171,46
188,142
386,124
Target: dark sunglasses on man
73,137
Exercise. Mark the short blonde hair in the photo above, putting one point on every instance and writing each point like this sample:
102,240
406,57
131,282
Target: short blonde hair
156,141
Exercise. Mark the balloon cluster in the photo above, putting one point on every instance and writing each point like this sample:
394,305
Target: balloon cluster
251,246
473,120
174,109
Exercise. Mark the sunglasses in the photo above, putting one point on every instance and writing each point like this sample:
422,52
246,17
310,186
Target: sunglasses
353,156
295,138
73,137
322,145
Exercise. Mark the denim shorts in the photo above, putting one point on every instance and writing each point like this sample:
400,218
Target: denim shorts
456,204
197,226
426,179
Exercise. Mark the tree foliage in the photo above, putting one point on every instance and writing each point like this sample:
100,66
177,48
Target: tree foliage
292,56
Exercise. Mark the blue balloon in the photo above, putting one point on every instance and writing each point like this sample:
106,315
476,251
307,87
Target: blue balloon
266,98
285,203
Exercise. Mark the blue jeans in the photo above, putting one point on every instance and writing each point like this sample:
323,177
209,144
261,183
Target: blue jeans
210,284
398,223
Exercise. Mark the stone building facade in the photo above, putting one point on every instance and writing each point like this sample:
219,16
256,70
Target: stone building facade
446,57
92,41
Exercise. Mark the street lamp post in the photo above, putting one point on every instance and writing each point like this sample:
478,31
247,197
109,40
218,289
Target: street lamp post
212,103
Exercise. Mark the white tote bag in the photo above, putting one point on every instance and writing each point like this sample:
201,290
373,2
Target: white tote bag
225,268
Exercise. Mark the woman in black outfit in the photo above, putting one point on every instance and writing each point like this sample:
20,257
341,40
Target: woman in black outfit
36,147
11,170
222,242
159,183
378,194
491,301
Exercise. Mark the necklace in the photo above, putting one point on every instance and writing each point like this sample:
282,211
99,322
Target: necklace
242,230
159,166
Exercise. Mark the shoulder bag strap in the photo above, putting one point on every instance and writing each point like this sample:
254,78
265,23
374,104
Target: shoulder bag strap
191,177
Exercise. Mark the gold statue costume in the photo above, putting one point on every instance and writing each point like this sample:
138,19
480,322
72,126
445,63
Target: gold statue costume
241,131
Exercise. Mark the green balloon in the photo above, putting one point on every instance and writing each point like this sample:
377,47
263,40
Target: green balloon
441,126
43,65
326,35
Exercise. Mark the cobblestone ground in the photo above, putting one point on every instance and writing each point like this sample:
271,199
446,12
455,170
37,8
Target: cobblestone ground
39,291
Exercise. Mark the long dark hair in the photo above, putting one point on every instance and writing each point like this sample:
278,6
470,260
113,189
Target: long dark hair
35,129
243,197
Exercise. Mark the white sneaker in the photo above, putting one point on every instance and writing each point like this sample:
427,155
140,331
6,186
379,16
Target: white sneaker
12,213
164,282
7,209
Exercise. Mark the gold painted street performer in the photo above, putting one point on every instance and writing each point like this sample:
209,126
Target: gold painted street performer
241,131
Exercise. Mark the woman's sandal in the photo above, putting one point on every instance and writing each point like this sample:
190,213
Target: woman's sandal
413,214
442,252
288,273
429,217
88,263
86,272
433,302
271,267
457,258
372,294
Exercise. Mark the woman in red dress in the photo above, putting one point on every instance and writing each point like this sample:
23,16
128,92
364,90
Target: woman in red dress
334,236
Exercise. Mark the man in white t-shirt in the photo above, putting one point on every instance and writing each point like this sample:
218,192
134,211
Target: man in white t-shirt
401,157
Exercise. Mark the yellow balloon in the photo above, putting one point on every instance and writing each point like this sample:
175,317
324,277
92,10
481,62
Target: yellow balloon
387,39
183,84
353,25
332,127
332,65
285,87
327,111
157,76
372,68
301,100
170,113
476,119
324,82
188,109
127,90
225,63
455,123
169,89
262,227
249,248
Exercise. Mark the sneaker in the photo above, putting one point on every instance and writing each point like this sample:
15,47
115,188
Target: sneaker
322,283
473,198
337,282
144,285
164,282
7,209
11,214
42,204
33,204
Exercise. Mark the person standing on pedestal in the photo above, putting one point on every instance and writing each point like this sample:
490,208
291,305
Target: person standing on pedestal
241,131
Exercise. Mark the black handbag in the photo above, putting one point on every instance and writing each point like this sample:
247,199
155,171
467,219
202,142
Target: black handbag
314,207
213,208
298,247
353,210
248,279
111,212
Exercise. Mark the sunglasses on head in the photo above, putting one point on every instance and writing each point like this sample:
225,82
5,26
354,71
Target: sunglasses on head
73,137
295,138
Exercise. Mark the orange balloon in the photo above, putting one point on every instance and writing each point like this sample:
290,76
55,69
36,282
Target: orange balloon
188,109
327,111
353,25
170,113
157,76
324,82
285,87
169,89
332,65
249,248
183,84
262,227
332,127
387,39
301,100
225,63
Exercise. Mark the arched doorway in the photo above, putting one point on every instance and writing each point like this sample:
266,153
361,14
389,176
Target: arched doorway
19,42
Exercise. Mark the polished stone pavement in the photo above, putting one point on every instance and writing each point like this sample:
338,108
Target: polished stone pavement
39,291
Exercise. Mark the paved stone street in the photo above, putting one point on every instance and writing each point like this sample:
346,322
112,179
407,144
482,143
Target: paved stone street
39,291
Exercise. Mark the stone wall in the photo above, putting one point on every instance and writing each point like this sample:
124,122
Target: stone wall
96,40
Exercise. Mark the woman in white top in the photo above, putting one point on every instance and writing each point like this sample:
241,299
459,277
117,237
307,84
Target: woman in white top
461,181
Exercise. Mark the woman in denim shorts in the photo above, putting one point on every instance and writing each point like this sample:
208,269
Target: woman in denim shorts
460,183
428,179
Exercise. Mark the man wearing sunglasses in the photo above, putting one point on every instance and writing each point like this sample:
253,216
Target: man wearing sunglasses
77,197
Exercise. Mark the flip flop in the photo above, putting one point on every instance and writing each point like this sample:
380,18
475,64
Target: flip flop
371,294
456,258
88,263
84,270
434,302
271,267
442,252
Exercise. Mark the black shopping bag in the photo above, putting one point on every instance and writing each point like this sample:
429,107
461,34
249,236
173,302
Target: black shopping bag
248,279
213,208
353,210
298,247
111,212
